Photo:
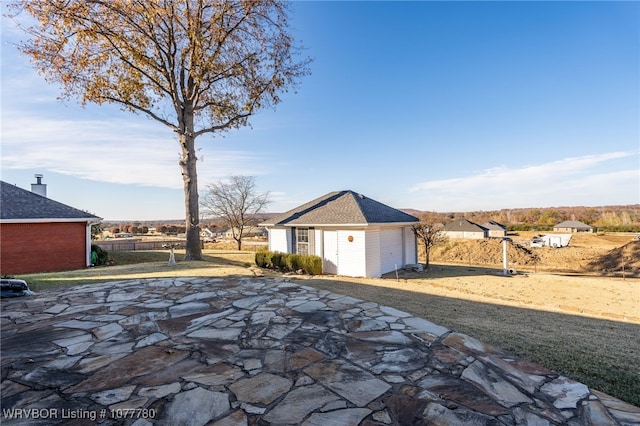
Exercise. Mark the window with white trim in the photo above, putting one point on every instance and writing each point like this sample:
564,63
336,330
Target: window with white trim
302,241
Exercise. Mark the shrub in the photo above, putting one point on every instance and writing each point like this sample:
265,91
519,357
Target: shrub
276,260
264,259
519,227
259,259
102,255
313,265
529,227
289,262
268,259
619,228
292,262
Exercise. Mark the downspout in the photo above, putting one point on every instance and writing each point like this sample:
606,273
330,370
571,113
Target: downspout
404,246
293,240
415,247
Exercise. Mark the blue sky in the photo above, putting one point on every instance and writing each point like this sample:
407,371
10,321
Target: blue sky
440,106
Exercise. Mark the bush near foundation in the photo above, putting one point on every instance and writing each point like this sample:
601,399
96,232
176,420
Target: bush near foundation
102,255
289,262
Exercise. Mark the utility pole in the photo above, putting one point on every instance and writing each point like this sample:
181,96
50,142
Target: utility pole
505,271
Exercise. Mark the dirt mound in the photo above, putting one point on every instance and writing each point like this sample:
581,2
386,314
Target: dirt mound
573,259
628,256
486,252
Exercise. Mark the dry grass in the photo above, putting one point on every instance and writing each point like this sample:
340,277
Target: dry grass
589,347
584,328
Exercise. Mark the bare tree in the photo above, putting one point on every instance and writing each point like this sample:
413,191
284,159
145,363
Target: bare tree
430,234
195,66
236,203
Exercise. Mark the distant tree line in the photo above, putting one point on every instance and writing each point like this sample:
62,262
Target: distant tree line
143,229
171,229
131,229
606,219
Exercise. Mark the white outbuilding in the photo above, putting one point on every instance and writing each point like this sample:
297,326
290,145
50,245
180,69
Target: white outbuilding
354,235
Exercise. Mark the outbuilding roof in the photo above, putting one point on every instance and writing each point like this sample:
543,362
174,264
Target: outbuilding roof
339,208
19,204
463,225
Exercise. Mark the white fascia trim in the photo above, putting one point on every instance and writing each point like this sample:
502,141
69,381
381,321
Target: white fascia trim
349,225
394,224
328,225
53,220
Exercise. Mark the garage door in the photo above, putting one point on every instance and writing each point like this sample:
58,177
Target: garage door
390,249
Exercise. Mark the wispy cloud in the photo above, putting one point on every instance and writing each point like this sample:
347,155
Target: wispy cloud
99,144
116,151
568,181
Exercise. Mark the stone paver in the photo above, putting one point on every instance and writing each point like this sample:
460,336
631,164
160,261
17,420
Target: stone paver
241,351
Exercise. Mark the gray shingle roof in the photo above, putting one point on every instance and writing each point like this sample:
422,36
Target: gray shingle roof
19,204
572,224
341,207
463,225
494,226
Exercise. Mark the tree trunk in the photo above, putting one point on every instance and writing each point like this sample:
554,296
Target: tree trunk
190,179
239,241
426,251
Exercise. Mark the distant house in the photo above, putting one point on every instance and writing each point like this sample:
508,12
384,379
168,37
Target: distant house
572,226
248,231
465,229
495,229
354,235
206,233
41,235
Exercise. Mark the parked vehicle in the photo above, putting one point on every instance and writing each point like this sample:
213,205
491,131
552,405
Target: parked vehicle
123,235
551,240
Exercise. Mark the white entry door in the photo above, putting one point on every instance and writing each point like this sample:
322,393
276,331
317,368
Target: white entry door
330,255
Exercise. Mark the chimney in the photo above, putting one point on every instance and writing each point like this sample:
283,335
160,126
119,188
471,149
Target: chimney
39,187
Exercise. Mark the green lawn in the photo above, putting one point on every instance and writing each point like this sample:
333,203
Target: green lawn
145,264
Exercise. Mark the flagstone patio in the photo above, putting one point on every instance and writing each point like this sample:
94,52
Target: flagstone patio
240,351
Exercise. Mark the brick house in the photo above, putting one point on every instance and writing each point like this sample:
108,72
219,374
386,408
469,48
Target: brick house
41,235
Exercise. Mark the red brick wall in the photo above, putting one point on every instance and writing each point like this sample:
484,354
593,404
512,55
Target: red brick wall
42,247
